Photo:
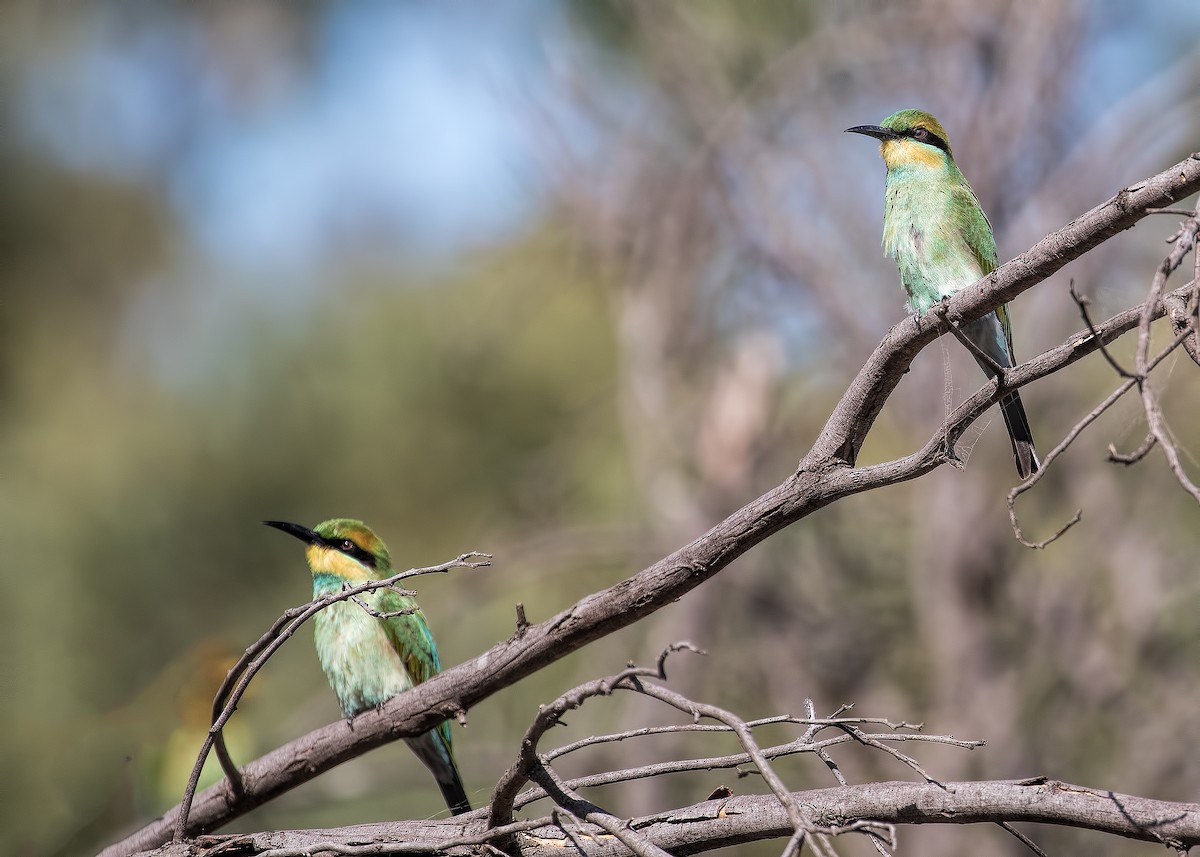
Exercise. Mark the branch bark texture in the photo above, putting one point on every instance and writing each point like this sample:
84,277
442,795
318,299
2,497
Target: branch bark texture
737,820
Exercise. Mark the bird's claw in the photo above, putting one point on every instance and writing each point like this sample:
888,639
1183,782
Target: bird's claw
942,310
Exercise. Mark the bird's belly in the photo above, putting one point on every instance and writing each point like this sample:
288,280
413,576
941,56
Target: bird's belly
933,266
930,251
362,667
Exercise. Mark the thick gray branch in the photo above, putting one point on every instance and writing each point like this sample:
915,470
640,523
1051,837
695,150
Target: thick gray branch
732,821
825,475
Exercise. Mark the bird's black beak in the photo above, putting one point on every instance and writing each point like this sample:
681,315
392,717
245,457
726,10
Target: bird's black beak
304,534
876,131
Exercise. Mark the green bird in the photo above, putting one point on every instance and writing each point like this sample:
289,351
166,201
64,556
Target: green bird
369,659
942,242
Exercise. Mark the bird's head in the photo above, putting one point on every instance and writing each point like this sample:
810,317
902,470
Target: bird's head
343,547
909,138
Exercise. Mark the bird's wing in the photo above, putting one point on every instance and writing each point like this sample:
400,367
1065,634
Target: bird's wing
410,636
977,230
978,233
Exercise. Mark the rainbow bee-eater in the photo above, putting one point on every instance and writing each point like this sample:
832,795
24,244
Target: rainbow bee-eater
942,242
369,659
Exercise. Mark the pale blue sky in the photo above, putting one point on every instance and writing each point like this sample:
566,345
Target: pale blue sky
402,132
405,128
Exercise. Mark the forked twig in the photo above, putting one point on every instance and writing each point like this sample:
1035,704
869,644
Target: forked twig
532,765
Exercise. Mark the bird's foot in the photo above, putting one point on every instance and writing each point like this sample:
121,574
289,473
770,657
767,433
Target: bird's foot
942,310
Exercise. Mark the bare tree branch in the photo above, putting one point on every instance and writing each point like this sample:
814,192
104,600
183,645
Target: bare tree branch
1081,301
746,818
736,760
803,826
813,721
587,811
1105,333
825,474
1185,242
1127,458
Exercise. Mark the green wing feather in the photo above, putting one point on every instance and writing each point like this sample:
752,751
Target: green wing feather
413,641
976,228
978,232
409,634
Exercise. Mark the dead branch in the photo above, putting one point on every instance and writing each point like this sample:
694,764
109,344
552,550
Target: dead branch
1105,333
1185,242
736,760
745,818
532,765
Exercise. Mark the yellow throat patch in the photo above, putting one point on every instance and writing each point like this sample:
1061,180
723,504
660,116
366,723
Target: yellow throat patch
908,152
326,560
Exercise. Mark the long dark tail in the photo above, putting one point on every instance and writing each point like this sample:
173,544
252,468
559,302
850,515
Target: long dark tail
454,794
1018,432
436,755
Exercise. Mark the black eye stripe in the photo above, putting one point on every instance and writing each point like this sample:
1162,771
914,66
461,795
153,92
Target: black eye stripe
354,551
928,137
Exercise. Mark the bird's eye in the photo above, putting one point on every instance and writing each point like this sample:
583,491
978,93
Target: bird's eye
920,134
348,546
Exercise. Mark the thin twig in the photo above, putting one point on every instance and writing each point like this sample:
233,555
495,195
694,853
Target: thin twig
797,816
884,849
871,741
1184,312
1128,458
227,686
1024,840
509,785
815,724
800,745
1158,427
407,611
1075,431
1082,301
1184,240
534,766
593,740
562,819
588,811
1184,243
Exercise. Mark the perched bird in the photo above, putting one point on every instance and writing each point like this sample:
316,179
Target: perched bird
942,242
368,659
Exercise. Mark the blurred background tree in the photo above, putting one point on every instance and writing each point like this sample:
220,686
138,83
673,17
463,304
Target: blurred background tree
567,283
